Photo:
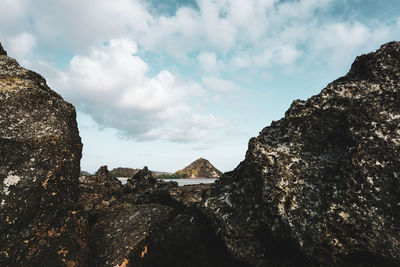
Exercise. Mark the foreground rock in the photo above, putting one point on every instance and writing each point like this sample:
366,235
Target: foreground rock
120,235
40,150
144,224
322,185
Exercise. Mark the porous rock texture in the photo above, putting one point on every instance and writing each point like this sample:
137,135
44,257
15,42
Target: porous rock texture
189,195
120,234
98,191
40,151
143,224
321,186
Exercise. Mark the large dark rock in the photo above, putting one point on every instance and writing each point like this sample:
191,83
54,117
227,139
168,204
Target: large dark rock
2,51
322,185
40,151
189,194
120,235
187,240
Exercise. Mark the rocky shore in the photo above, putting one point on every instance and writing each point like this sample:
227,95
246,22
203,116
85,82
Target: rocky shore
320,187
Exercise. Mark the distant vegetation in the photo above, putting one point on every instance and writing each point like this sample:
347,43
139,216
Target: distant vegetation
200,168
124,172
171,176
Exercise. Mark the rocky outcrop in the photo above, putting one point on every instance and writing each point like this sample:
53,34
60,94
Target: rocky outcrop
124,172
190,194
200,168
120,235
2,51
148,222
322,185
187,240
99,191
40,151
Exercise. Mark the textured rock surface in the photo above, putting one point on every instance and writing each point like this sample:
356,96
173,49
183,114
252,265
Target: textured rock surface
99,191
322,185
120,234
2,51
188,240
40,150
190,194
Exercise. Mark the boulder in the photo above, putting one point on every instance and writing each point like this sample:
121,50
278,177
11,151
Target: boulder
40,151
119,236
187,240
321,186
99,191
190,194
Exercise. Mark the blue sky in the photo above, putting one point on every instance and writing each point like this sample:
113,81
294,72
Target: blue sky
162,83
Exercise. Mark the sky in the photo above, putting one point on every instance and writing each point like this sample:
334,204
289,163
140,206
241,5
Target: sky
162,83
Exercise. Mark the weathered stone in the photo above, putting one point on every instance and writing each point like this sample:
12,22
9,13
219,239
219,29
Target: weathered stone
120,234
2,51
145,181
99,191
322,185
187,240
189,194
40,151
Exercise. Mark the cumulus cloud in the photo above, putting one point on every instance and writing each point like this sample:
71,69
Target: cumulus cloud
209,62
20,45
112,85
115,85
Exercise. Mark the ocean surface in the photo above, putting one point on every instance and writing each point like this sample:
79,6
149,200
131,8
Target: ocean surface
181,182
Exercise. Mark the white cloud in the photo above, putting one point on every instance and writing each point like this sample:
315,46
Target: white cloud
219,85
21,45
337,43
112,85
209,62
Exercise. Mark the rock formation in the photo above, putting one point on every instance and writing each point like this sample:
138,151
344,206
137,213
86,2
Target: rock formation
322,185
40,151
124,172
200,168
190,194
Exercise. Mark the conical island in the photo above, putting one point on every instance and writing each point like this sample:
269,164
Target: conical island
200,168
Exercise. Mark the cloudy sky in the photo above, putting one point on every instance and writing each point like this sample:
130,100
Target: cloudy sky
162,83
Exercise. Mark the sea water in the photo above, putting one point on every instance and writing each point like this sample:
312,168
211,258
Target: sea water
181,182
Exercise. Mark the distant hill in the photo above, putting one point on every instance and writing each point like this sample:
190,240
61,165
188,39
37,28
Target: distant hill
124,172
129,172
200,168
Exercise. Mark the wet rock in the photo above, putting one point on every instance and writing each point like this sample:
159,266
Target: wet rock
322,185
40,151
